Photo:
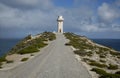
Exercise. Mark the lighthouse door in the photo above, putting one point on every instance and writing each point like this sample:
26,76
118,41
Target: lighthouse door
60,31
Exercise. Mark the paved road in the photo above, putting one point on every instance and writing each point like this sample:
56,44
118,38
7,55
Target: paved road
55,61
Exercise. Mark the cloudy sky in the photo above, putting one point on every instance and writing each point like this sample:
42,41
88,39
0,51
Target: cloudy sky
92,18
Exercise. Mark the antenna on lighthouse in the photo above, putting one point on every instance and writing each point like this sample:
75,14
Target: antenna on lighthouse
60,24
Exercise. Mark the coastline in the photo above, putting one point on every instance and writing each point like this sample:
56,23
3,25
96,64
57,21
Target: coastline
101,61
25,49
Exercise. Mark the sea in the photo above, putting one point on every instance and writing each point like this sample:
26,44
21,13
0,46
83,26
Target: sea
111,43
7,44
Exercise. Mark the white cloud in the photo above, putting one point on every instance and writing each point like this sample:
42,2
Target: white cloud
90,28
94,28
28,4
108,13
39,15
117,2
116,27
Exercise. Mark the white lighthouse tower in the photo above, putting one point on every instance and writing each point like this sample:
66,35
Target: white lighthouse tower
60,24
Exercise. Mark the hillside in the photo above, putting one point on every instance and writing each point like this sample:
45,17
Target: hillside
31,59
97,58
53,61
26,48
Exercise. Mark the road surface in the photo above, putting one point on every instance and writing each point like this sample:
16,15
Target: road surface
55,61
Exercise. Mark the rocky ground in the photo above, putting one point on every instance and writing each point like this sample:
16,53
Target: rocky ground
26,49
53,61
101,61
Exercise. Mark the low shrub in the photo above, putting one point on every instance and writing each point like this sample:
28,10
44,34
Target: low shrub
3,59
112,67
0,65
103,61
99,71
85,59
27,42
98,64
91,60
32,55
118,72
104,74
28,37
89,54
67,44
98,52
88,60
30,49
81,53
40,45
118,57
109,75
105,49
49,35
24,59
9,61
52,37
78,42
115,53
102,56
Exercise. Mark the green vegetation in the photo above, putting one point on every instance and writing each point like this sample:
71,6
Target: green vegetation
85,59
82,44
49,36
83,53
103,61
0,65
79,42
27,37
94,63
99,71
89,53
113,67
118,72
104,74
10,61
32,55
115,53
3,59
24,59
28,45
29,49
86,47
102,56
103,49
33,46
67,44
88,60
102,52
98,64
118,57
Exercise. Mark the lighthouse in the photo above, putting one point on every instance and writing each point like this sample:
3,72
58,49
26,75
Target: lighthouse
60,20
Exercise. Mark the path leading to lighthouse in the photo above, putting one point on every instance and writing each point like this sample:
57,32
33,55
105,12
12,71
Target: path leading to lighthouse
55,61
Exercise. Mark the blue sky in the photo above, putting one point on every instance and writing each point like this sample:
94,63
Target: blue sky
64,3
92,18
